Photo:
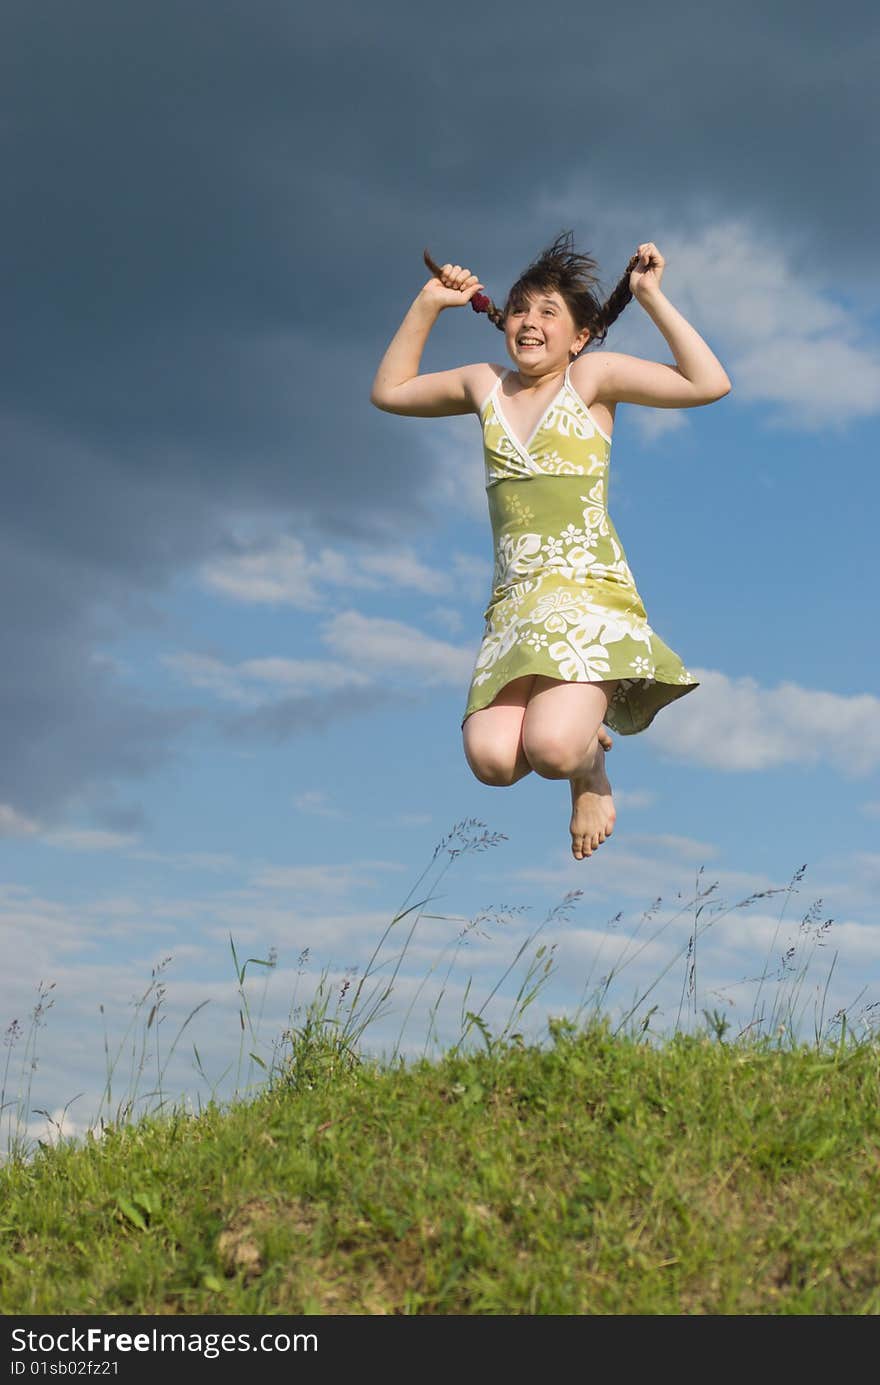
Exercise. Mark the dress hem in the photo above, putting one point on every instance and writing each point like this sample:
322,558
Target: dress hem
676,690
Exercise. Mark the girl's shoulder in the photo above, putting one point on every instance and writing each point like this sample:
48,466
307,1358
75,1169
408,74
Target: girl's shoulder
483,376
587,372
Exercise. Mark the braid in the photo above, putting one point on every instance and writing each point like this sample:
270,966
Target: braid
616,302
480,302
573,275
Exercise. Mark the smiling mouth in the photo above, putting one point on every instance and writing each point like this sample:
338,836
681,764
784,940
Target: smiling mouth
529,341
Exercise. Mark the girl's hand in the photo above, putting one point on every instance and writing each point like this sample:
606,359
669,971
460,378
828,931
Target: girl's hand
453,288
645,278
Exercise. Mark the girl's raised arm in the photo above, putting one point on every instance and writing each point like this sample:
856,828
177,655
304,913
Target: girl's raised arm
698,377
398,388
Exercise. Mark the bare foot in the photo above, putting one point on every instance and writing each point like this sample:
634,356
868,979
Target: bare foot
604,739
592,808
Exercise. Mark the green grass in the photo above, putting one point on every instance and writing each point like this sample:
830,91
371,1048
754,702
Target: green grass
603,1169
597,1175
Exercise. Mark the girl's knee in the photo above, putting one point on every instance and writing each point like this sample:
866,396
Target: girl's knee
497,777
555,757
490,758
491,769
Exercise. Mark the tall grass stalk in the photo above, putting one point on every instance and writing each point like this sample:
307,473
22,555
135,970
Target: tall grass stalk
244,1013
17,1141
155,993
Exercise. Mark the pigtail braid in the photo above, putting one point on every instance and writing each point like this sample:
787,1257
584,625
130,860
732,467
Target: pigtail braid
616,302
480,302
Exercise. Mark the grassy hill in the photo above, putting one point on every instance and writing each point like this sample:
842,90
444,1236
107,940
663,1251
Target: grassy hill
595,1174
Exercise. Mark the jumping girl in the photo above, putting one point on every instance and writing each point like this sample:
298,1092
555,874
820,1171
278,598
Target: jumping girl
566,645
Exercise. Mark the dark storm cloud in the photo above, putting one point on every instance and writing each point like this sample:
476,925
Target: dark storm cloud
67,726
213,215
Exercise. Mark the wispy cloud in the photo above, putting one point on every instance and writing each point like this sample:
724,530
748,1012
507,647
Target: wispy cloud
285,696
390,644
682,848
634,798
334,878
278,570
315,803
448,617
15,824
85,839
248,681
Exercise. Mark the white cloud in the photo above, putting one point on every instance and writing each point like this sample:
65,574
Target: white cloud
403,568
389,644
280,573
278,570
735,724
782,338
367,647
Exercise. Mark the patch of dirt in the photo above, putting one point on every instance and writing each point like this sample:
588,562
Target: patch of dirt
238,1244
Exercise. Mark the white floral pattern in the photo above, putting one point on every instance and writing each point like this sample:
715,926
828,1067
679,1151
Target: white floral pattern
564,602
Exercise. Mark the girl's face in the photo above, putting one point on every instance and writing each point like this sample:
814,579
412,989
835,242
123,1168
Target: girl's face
542,337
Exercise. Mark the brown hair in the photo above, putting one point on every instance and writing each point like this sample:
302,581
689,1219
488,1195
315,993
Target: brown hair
561,268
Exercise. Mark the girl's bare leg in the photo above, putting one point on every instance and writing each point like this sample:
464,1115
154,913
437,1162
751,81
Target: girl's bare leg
493,736
562,738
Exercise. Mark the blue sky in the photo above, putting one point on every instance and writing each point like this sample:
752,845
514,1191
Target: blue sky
241,606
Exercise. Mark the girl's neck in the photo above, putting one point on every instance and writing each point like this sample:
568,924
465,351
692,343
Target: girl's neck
534,383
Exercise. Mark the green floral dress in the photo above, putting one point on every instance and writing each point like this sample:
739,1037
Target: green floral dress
564,602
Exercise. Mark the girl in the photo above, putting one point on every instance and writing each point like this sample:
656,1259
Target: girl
567,644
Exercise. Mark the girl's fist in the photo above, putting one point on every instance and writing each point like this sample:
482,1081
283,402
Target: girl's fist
645,278
453,287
